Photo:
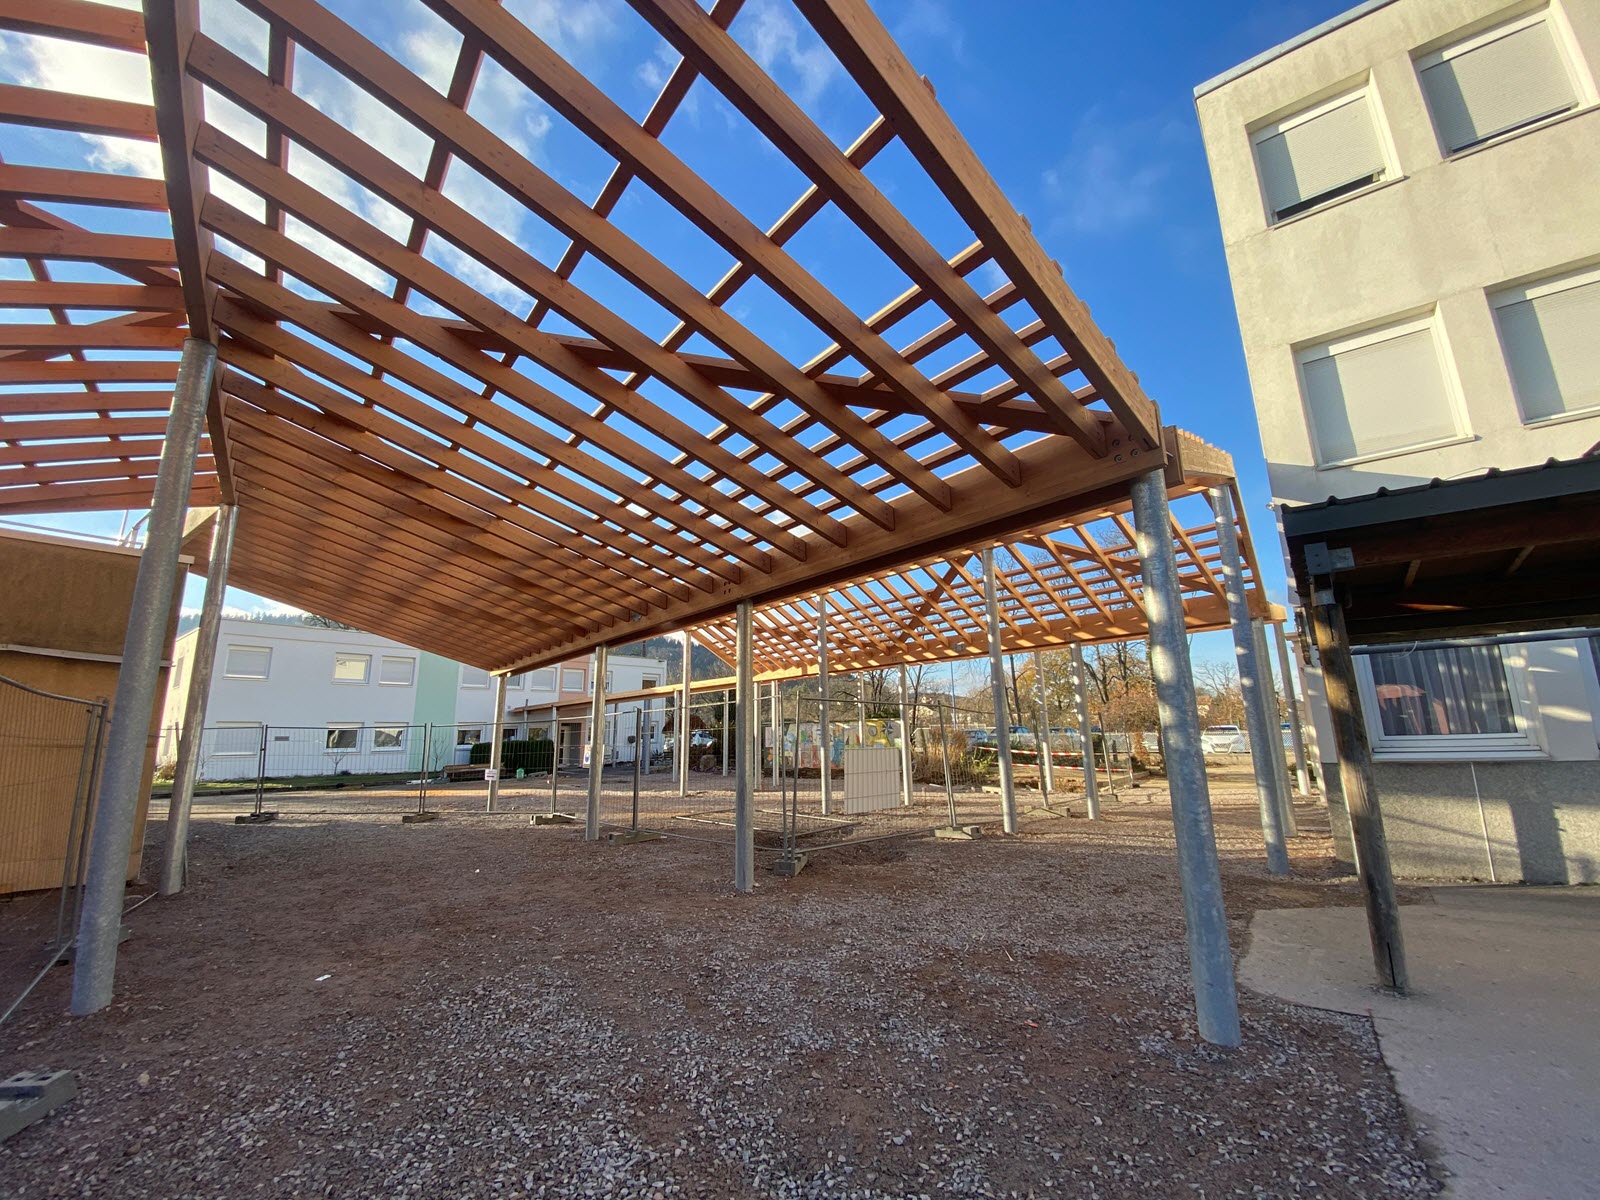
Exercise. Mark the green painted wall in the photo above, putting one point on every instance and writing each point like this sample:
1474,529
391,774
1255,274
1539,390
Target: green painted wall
437,679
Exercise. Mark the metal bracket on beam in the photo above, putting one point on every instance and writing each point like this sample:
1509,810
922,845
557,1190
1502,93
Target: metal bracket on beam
1321,559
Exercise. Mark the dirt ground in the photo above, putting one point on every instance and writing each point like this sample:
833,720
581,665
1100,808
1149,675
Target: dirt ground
346,1006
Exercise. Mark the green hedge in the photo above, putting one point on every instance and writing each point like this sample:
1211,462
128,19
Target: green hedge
528,755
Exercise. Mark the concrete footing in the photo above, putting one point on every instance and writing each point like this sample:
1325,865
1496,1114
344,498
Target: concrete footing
418,818
553,819
260,818
788,868
633,836
29,1096
959,833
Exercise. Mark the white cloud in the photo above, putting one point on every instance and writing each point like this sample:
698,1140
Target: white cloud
1113,174
569,27
930,21
775,40
82,70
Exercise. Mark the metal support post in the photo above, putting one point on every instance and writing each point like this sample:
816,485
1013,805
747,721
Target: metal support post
649,735
905,740
1206,922
1280,773
143,648
997,688
744,795
825,684
1041,739
1302,779
1259,727
422,775
944,757
497,751
685,717
861,714
638,732
1091,773
727,734
776,723
1360,795
555,757
175,851
597,746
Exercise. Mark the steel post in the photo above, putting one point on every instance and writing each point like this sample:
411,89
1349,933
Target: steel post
1360,794
1205,920
685,719
905,740
638,733
555,756
744,795
1091,772
175,849
597,746
143,648
1302,779
1257,723
775,731
1041,739
1280,773
727,730
997,688
825,727
944,756
497,751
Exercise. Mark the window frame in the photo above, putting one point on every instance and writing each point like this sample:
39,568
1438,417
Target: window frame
466,680
400,743
1371,335
1361,93
411,680
227,663
1545,285
1543,15
463,740
253,752
340,726
552,673
1526,742
366,675
583,679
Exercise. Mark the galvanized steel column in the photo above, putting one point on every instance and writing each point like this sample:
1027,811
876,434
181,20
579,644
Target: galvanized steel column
1302,780
1205,920
175,850
1091,773
997,688
744,794
597,746
685,713
497,751
127,743
1255,702
905,740
1280,773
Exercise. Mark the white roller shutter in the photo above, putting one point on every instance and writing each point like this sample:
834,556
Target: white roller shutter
1488,85
1304,160
1383,391
1551,336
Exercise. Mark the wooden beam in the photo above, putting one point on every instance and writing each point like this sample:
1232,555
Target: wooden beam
113,297
43,108
75,21
63,186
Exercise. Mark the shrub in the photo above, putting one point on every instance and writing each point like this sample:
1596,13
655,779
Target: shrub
515,754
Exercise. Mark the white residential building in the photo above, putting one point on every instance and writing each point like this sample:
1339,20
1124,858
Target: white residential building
323,700
1409,197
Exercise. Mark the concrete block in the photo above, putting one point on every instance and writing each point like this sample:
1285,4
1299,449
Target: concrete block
633,836
553,819
29,1096
959,833
260,818
418,818
788,868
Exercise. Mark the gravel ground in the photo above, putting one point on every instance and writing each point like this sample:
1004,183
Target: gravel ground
344,1006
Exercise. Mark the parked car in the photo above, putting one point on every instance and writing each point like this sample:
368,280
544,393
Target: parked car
1224,739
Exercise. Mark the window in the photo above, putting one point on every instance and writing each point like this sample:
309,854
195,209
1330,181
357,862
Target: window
248,662
544,679
509,733
343,737
1319,154
572,679
396,671
469,737
649,681
351,668
474,677
1451,700
1503,79
388,737
1379,392
1551,335
236,739
517,682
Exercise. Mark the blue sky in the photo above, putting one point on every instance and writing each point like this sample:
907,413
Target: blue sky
1083,112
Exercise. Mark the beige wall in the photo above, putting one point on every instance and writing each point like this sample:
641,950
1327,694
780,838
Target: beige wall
1439,235
71,599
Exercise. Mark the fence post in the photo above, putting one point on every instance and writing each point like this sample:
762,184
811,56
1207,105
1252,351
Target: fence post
1041,743
905,739
555,758
111,834
825,684
1255,702
497,751
997,689
1280,773
427,767
944,757
1091,773
638,732
686,718
726,730
1205,920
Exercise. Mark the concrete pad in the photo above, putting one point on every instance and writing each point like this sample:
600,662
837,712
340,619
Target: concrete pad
1495,1049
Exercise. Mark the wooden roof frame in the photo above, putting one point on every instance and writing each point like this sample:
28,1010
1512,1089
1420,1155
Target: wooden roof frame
443,478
